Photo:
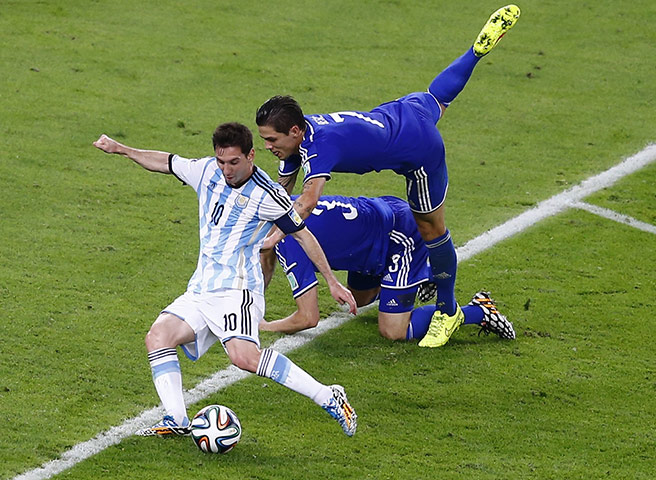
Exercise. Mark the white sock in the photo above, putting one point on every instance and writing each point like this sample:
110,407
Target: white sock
167,377
281,369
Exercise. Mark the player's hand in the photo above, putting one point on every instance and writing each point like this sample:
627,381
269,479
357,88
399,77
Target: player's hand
106,144
343,295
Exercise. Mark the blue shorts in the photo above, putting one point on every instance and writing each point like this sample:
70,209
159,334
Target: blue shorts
390,300
406,265
427,180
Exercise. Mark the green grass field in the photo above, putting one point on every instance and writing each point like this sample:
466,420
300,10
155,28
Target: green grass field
92,247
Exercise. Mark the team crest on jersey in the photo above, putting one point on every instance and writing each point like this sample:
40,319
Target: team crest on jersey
292,281
211,186
241,201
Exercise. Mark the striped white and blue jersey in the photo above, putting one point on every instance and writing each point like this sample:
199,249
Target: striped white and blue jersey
233,223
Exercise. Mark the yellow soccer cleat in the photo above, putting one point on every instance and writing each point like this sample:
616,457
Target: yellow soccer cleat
496,27
441,328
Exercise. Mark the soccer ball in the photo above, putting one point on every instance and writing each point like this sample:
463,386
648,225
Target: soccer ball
215,429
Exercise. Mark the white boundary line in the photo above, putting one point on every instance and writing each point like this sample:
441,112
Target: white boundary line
223,378
617,217
558,203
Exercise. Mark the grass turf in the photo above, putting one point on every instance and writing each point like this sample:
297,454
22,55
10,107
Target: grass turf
92,247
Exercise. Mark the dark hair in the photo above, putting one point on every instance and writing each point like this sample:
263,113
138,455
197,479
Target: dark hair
233,134
281,112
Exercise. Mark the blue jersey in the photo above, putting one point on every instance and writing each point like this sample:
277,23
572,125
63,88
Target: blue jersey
376,237
399,136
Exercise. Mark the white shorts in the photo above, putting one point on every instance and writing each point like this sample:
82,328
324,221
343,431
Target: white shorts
219,315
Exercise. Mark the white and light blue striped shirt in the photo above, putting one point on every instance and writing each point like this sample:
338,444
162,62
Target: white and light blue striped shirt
233,223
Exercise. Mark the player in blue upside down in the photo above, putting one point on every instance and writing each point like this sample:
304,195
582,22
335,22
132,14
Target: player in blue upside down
399,136
379,245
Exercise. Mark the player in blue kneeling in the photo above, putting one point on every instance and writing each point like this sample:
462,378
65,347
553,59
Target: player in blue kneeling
378,243
399,136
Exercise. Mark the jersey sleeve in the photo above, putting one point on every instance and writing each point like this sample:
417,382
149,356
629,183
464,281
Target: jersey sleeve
318,157
276,206
189,172
289,166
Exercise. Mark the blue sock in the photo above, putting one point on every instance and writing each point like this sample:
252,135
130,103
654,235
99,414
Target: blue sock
452,80
444,263
473,315
420,319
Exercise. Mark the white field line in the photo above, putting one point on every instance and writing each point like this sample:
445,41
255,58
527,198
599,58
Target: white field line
218,381
557,203
230,375
617,217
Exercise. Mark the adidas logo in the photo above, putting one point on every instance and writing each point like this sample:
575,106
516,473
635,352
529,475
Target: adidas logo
387,278
392,303
443,276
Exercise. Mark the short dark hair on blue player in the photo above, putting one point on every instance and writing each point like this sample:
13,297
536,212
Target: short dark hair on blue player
233,134
281,112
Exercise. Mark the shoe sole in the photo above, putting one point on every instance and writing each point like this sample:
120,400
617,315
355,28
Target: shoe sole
492,32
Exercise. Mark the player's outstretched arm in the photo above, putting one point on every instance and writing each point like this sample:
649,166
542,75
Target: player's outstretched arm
306,316
152,160
311,246
303,205
308,199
